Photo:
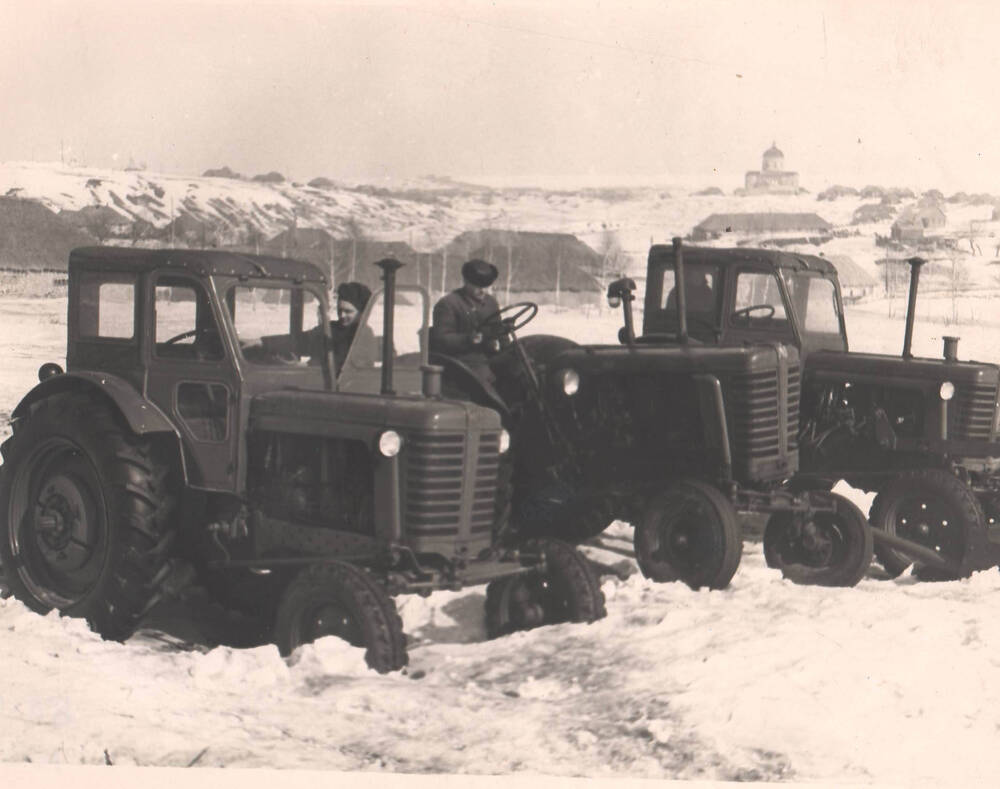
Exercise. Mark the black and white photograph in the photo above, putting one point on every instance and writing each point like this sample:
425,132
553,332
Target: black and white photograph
571,393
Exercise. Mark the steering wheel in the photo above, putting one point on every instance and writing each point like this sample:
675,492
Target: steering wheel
183,335
501,323
201,349
745,312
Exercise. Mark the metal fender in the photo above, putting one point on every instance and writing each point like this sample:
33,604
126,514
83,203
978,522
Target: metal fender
142,416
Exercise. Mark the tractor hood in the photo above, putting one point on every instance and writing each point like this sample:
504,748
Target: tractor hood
835,365
692,358
340,414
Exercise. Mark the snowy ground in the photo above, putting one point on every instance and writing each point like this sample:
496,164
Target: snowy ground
889,682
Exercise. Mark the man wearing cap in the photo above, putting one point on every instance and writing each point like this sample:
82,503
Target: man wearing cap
456,329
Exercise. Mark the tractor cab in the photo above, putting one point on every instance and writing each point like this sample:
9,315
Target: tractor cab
741,296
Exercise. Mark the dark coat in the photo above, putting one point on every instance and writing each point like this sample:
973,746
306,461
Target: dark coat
457,317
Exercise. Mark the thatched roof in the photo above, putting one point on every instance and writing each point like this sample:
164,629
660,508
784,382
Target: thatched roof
537,260
762,223
347,256
33,238
850,274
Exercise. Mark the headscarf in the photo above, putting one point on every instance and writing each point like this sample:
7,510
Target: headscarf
355,293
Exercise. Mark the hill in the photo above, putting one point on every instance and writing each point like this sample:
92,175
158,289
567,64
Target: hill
33,238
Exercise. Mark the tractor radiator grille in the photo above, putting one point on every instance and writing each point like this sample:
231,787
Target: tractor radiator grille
755,418
437,467
484,493
975,410
794,393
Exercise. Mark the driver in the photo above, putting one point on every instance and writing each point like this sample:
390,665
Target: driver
698,293
456,329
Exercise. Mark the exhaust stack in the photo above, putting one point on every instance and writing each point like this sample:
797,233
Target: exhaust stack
389,267
680,286
911,306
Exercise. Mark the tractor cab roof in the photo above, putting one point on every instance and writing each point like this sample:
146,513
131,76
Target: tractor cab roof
197,261
771,258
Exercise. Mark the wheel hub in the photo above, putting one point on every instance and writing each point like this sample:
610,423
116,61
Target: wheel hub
925,522
816,542
60,524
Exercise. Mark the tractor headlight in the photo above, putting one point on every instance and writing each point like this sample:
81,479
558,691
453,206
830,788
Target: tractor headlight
947,390
570,382
504,441
389,443
614,301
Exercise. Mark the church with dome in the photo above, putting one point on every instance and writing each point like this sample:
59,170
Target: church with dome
772,178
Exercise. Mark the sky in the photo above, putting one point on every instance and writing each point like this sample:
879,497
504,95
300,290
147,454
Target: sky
546,92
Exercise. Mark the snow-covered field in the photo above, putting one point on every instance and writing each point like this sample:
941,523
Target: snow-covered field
889,682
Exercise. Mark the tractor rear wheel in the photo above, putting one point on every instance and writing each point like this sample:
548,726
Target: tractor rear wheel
85,514
824,548
567,590
338,599
689,532
935,508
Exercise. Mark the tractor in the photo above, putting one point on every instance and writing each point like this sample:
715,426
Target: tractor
676,438
179,439
920,433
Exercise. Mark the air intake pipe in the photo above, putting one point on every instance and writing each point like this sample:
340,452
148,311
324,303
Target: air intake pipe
911,306
950,351
389,267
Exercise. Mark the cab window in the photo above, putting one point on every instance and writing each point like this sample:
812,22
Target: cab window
185,327
107,305
758,301
815,300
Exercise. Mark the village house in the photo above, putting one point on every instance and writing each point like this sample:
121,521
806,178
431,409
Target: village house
914,221
755,225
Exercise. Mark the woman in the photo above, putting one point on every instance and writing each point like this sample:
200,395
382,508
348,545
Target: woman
352,297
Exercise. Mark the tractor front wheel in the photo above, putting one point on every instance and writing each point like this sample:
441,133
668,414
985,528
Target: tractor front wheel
566,590
338,599
826,548
689,532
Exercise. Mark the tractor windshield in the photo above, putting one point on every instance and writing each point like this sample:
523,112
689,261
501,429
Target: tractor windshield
278,325
361,370
817,310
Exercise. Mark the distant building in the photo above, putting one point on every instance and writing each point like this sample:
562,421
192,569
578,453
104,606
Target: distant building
915,220
757,224
772,178
855,282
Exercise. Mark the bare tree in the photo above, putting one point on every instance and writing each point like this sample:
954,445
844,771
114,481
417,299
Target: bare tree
253,236
357,236
139,230
612,261
958,283
98,223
